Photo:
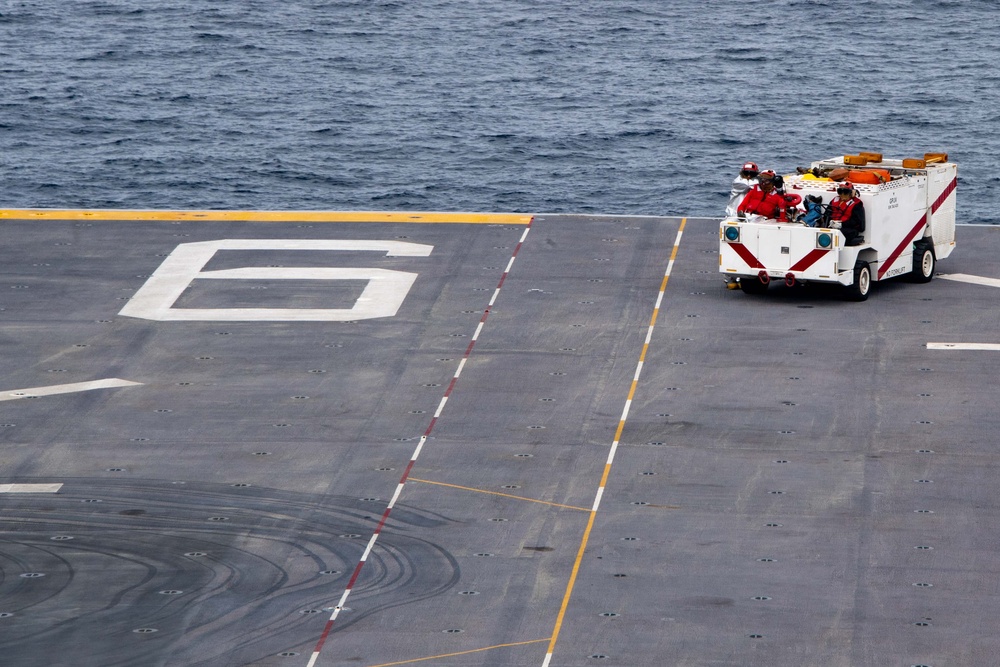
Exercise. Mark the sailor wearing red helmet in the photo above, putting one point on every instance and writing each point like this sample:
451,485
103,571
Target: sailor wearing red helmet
763,200
847,209
746,179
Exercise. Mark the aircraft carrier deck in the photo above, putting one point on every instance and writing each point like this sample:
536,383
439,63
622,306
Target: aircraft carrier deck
462,440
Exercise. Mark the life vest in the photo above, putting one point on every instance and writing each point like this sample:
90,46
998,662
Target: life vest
842,210
770,205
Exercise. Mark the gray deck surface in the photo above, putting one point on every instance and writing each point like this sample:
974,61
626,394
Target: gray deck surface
800,480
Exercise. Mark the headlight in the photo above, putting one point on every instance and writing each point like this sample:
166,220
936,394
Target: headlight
732,233
824,240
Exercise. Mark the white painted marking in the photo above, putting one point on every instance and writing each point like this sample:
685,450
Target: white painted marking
628,406
548,658
611,453
420,445
368,549
638,371
966,278
71,388
597,500
382,296
437,413
395,496
315,656
30,488
479,330
461,365
963,346
510,264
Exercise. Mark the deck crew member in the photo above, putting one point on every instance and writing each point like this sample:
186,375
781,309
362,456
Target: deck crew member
763,200
746,179
847,209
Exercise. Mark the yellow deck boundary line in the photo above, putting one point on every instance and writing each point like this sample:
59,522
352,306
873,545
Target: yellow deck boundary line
451,655
266,216
498,493
614,448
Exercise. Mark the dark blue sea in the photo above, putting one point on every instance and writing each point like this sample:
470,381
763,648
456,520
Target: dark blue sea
601,106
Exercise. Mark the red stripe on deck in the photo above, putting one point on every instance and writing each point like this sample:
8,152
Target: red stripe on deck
413,459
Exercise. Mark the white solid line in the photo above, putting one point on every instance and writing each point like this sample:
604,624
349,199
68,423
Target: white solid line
312,660
461,365
30,488
963,346
966,278
74,387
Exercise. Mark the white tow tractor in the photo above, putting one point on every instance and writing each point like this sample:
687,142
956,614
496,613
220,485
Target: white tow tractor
909,225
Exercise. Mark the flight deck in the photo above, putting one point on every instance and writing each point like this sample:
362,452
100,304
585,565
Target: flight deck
312,439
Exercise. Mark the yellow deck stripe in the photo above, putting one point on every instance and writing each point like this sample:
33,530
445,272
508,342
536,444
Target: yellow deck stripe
607,466
266,216
497,493
449,655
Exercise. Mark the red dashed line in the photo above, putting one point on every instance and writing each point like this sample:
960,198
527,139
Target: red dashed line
413,458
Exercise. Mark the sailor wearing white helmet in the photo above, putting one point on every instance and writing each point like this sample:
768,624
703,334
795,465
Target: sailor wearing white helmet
746,179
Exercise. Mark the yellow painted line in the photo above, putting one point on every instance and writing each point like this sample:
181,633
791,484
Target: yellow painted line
611,454
450,655
266,216
497,493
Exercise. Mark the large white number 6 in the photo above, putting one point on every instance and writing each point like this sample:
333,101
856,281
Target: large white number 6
382,296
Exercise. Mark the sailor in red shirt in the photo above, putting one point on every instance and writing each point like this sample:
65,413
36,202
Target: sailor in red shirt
763,200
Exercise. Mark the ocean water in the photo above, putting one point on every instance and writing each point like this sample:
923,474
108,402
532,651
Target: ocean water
601,106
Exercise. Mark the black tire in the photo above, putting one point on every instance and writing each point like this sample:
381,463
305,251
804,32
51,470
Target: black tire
924,262
753,286
862,282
